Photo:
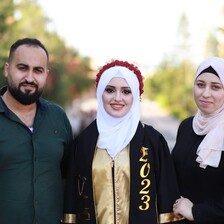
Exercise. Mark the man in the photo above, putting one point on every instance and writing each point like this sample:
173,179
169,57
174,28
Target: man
35,136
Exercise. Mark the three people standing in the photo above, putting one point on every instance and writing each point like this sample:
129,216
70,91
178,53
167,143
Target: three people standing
120,170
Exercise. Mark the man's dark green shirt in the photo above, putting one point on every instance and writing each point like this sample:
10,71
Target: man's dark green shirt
31,188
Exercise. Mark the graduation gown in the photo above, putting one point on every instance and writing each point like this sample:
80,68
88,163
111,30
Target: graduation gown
153,185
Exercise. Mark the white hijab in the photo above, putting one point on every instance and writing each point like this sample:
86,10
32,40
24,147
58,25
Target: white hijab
116,133
210,150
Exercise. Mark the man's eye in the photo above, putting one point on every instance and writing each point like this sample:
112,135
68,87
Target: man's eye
38,71
22,68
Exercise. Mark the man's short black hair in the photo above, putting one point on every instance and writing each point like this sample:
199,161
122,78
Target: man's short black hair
26,41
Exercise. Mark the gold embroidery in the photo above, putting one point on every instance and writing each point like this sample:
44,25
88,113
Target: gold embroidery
86,214
144,173
69,218
144,151
145,200
168,217
147,183
83,180
143,168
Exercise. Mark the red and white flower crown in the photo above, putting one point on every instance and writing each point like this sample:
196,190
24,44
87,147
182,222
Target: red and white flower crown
126,64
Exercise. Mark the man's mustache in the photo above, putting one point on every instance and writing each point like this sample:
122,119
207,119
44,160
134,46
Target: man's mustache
28,83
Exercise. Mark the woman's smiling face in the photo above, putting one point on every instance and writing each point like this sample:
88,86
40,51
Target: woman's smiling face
117,97
208,92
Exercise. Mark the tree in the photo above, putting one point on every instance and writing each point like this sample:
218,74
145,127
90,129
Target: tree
211,45
171,83
169,86
7,23
25,18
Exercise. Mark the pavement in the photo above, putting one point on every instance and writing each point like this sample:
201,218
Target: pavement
161,120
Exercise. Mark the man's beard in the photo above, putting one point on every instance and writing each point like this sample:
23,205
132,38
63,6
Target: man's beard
25,98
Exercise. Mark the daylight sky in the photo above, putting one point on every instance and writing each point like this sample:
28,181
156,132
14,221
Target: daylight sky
141,31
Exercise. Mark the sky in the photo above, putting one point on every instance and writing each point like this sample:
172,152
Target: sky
141,31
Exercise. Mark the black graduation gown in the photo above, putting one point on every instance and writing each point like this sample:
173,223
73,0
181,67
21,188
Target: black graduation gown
204,187
162,190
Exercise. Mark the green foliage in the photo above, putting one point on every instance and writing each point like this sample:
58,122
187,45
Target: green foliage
6,26
172,83
69,71
171,86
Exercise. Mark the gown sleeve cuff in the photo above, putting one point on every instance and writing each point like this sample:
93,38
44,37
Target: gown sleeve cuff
168,217
69,218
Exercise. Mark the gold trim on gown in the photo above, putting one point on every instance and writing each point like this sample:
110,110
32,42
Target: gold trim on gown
111,186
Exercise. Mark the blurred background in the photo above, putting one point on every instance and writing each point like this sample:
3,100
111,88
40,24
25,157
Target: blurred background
166,39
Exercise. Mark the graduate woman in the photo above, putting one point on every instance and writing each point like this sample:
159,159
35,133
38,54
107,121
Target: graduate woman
198,153
121,170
